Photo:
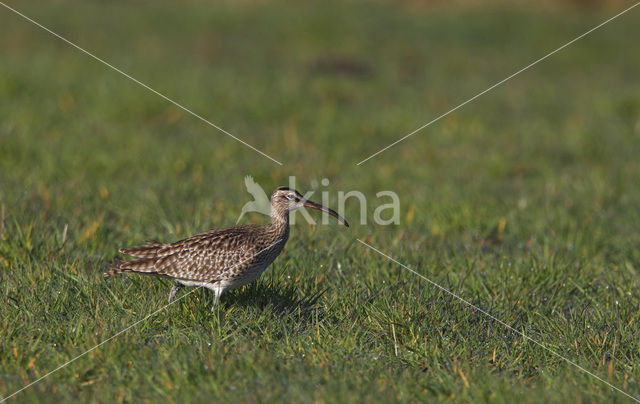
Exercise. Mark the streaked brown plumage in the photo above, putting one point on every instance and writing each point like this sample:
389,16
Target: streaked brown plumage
221,259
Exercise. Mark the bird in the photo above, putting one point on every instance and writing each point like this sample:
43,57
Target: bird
221,259
260,201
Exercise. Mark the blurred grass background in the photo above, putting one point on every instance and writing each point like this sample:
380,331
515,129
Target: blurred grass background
525,201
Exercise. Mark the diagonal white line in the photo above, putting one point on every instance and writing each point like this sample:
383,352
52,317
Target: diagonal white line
97,346
2,400
499,83
499,321
141,83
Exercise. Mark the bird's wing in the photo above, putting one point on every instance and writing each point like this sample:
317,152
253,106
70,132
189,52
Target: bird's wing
209,256
152,249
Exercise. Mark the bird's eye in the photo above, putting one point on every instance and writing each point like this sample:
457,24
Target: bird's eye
291,197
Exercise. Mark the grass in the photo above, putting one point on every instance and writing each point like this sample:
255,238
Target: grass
524,202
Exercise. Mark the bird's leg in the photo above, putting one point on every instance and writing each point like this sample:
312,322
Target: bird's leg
218,291
174,289
216,299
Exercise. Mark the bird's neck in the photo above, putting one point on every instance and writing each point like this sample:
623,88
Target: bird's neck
279,219
278,229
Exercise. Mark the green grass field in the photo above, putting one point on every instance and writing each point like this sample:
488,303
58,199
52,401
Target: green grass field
525,202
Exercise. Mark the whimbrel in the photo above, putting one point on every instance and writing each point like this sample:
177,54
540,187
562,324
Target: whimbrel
221,259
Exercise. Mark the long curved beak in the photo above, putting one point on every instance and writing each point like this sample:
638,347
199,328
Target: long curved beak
313,205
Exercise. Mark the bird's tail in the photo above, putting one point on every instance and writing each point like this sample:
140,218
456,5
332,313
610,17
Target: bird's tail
146,258
146,265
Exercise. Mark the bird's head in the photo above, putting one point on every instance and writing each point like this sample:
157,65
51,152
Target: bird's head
287,199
